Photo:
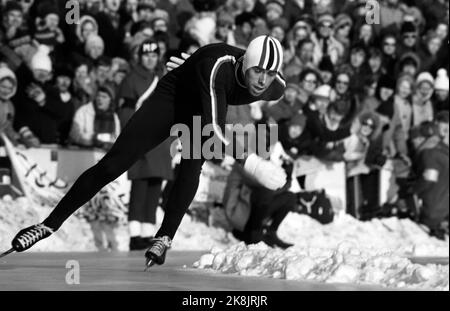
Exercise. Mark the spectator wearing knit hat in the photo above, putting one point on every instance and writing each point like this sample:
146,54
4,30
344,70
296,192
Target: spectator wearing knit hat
38,104
47,29
441,91
325,43
423,109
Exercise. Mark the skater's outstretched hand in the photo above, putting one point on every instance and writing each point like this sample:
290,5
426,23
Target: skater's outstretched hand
267,173
175,62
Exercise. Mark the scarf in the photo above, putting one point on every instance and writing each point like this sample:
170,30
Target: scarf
104,121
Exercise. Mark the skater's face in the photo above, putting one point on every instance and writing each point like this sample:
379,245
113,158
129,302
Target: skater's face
258,80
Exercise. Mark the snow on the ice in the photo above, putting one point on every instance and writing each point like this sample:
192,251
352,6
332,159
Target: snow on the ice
346,263
345,251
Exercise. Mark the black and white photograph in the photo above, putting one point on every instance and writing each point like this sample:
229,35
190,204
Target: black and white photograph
227,151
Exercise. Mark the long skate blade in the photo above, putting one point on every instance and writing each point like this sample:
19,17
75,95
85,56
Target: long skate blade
149,264
12,250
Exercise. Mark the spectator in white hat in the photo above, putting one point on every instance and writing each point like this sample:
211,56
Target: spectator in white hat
422,105
441,91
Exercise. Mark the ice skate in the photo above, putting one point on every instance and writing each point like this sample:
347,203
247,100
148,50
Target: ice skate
156,254
26,238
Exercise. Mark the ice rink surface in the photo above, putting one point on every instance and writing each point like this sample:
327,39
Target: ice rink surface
125,271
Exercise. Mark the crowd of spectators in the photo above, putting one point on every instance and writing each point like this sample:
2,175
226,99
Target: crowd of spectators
74,83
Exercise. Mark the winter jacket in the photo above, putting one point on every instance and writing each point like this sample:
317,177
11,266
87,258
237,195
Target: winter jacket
43,121
82,132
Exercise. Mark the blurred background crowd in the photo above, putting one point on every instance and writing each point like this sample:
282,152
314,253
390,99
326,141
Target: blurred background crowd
79,83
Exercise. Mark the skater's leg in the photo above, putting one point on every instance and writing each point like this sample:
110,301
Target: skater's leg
153,194
181,196
148,127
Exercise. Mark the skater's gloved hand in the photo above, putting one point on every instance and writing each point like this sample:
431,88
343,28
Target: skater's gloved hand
175,62
265,172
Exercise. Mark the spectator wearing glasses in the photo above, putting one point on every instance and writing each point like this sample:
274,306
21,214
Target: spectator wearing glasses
389,49
309,81
409,39
325,42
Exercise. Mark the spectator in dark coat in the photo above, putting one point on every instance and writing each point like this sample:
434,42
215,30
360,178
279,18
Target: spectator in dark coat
432,185
38,104
111,29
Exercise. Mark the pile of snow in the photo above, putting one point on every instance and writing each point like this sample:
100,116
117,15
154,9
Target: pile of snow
347,263
399,236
